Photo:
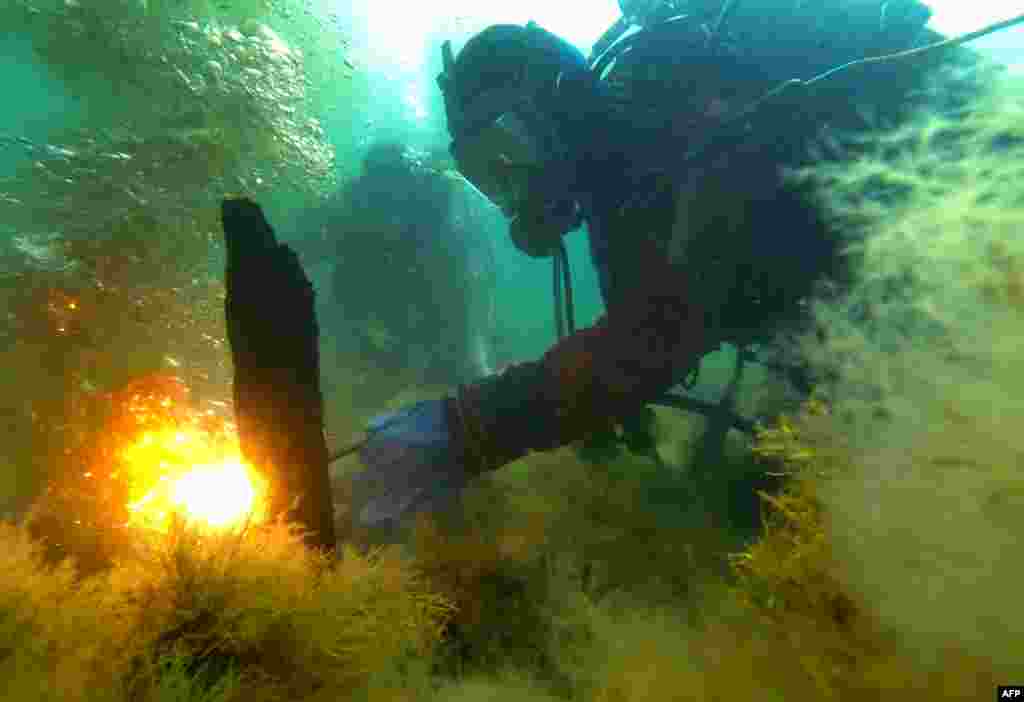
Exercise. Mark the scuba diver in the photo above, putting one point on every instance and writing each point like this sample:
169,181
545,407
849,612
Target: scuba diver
671,144
403,218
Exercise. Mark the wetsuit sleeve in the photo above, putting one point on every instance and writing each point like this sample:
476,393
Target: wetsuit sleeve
651,334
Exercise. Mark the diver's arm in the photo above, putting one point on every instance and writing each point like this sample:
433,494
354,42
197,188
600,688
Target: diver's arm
652,333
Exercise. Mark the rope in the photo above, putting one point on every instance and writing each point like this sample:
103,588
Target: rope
814,80
919,51
728,123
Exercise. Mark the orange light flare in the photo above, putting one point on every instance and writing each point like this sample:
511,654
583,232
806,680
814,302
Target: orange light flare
198,476
178,461
63,309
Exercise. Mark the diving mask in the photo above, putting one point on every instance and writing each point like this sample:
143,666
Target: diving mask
518,165
506,163
499,160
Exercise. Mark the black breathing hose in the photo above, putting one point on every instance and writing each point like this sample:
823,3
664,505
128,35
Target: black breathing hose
565,316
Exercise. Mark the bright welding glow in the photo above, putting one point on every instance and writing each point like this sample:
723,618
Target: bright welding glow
219,495
193,474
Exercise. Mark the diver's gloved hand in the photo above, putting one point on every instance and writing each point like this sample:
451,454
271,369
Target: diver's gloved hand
411,464
420,458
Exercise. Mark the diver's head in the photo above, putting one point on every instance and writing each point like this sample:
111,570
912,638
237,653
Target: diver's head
387,157
394,159
509,97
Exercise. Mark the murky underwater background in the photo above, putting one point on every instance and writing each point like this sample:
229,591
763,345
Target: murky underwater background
888,556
